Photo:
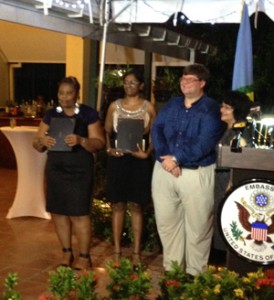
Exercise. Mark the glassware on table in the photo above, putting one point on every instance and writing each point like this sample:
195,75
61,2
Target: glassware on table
12,122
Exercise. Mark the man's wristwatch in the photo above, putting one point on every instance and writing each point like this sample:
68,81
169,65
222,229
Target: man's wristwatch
175,160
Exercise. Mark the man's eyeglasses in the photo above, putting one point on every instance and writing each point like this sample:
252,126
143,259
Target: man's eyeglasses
189,80
131,83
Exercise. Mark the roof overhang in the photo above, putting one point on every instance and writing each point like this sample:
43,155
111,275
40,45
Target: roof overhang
88,22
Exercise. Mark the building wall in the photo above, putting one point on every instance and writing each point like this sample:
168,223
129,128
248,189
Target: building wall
4,79
117,55
21,43
26,44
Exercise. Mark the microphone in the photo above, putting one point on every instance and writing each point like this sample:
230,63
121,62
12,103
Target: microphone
238,127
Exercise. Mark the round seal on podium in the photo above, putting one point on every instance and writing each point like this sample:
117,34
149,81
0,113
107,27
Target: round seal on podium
246,221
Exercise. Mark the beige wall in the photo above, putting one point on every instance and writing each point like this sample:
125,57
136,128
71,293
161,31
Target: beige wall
78,62
26,44
116,54
4,79
21,43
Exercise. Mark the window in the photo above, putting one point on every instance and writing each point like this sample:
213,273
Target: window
35,79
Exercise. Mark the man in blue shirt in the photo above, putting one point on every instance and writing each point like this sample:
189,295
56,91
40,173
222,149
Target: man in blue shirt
184,135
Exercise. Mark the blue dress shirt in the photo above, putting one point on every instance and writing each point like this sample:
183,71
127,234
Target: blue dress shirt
189,134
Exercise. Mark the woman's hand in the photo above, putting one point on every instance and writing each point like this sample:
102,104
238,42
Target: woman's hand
47,141
139,154
72,140
115,152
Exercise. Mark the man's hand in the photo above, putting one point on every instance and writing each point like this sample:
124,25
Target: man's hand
169,165
176,171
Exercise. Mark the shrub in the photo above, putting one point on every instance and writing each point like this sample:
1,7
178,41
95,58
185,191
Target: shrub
127,281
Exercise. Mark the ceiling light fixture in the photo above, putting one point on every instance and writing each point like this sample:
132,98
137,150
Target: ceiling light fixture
78,15
45,6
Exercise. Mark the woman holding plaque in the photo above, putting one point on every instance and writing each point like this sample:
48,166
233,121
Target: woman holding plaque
129,166
71,133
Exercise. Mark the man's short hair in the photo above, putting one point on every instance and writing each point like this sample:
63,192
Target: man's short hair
199,70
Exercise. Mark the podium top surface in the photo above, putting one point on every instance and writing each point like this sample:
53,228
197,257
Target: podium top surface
249,158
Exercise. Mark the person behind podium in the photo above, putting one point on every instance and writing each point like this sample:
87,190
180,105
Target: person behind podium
69,169
184,136
234,109
129,171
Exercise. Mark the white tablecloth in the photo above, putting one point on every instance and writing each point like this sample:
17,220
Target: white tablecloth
29,198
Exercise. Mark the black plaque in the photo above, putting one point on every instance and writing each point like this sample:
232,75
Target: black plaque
129,134
59,129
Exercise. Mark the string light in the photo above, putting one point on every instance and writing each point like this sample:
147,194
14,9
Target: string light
216,20
79,7
219,19
84,7
74,5
81,4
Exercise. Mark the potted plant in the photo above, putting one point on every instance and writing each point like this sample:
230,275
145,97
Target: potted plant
67,284
216,283
127,282
172,284
10,287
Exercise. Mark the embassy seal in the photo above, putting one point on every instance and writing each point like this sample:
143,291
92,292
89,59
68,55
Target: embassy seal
246,221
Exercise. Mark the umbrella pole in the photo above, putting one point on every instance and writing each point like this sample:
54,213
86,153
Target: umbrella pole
102,67
103,53
103,47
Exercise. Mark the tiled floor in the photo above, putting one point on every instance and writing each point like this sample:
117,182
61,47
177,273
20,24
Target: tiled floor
29,247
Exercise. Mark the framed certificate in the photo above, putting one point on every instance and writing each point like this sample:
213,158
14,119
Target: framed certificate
59,128
129,134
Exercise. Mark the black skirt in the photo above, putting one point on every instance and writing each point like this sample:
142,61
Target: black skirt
69,182
129,179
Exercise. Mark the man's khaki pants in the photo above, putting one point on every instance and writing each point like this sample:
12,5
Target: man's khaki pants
184,216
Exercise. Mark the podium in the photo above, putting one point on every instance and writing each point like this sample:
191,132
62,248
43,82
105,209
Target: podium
249,164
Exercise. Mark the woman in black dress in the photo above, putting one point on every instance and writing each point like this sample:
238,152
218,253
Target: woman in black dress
128,172
69,171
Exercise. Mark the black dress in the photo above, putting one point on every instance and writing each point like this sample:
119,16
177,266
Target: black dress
128,177
69,175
